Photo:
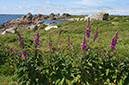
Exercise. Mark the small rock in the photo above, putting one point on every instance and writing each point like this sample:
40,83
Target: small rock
49,27
33,27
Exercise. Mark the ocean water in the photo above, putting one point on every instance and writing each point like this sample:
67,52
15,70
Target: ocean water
5,17
57,21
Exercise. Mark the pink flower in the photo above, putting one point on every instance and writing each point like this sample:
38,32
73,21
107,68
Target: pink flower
36,38
88,28
83,46
60,32
49,44
95,35
114,41
48,49
20,39
15,51
68,40
88,49
11,50
23,54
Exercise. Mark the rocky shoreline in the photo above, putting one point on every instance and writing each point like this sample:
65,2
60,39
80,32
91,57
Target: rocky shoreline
31,22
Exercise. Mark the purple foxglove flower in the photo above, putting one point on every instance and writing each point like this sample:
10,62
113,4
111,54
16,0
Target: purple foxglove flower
11,50
114,41
88,23
20,39
68,41
37,38
15,51
60,32
49,44
23,54
88,32
95,35
48,49
83,45
88,29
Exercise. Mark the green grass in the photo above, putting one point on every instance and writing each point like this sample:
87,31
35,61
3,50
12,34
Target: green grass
76,30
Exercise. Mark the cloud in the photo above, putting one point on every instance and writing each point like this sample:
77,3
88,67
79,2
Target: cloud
23,2
118,12
57,8
47,2
91,2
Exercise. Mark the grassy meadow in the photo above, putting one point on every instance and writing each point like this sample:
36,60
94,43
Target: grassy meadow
97,64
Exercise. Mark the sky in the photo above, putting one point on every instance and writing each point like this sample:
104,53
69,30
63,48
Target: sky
75,7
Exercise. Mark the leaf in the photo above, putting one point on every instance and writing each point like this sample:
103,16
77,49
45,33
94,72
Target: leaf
107,71
62,81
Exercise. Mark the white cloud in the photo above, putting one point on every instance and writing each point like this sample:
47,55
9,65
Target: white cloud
118,12
62,9
91,2
47,2
23,2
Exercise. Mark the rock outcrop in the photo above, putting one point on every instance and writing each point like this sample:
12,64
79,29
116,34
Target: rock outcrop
26,21
99,16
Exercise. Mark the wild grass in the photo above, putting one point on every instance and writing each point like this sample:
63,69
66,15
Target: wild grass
75,30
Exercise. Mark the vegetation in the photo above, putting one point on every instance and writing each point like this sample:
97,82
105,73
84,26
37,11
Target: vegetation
50,60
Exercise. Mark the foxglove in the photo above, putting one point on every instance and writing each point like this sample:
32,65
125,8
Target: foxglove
11,50
114,41
68,41
60,32
23,54
49,44
83,45
88,28
20,39
36,38
95,35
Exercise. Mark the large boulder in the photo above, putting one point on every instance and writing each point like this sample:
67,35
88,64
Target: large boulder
33,27
23,17
52,15
99,16
40,22
66,15
92,17
12,30
103,15
29,17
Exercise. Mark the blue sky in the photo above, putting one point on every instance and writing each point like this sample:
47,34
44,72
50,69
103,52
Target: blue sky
115,7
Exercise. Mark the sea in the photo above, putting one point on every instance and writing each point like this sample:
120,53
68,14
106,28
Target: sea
6,17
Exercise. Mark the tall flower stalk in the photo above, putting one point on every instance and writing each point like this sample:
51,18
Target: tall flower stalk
21,42
88,28
37,42
36,37
83,45
59,35
73,51
23,54
49,43
68,43
113,41
95,35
